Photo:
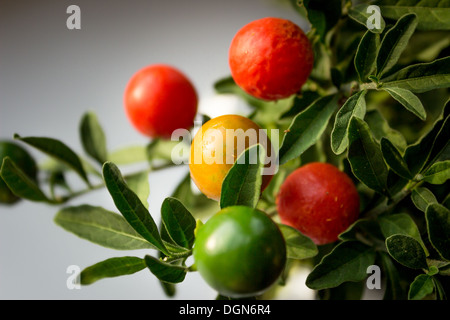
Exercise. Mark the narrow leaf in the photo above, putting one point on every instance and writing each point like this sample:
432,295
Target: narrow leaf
394,42
365,157
421,77
438,173
422,197
423,154
164,271
242,184
408,100
366,54
361,226
421,287
323,15
57,150
179,222
307,127
93,138
380,128
20,183
440,291
438,225
407,251
196,202
354,106
348,261
298,246
131,206
431,14
101,227
128,155
113,267
300,103
400,223
394,159
394,289
138,182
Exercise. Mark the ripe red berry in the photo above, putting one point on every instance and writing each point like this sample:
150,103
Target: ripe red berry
318,200
270,58
159,99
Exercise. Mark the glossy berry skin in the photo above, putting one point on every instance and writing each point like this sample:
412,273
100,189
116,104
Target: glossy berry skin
270,58
159,99
240,252
23,159
211,158
319,200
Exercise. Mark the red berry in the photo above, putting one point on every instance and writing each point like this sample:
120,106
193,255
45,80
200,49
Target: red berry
159,99
270,58
318,200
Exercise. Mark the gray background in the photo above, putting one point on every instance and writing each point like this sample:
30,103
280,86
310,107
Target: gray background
49,76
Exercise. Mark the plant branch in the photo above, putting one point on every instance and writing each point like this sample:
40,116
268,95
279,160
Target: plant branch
64,199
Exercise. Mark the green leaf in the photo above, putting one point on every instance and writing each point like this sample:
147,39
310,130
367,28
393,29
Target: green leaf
400,223
101,226
161,149
365,157
57,150
380,128
93,138
440,291
198,204
131,206
360,14
128,155
228,85
394,159
366,54
164,271
300,103
394,42
421,77
394,289
361,226
421,287
438,173
298,246
348,261
242,184
112,267
423,154
438,225
422,197
20,183
408,100
407,251
431,14
179,222
354,106
323,15
138,182
307,127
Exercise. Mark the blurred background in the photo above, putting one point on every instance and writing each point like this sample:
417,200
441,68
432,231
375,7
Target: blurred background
50,76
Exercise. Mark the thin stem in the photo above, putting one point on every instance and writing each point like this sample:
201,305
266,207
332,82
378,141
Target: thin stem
61,200
368,86
383,207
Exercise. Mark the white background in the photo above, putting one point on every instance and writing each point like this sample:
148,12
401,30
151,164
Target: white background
50,76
